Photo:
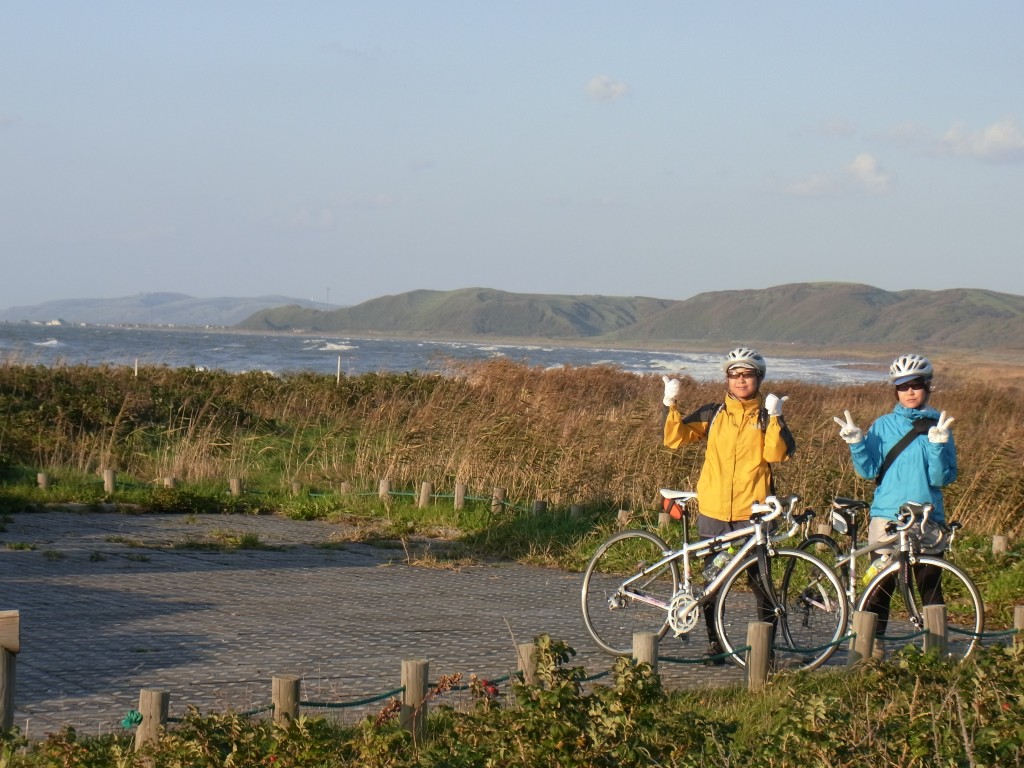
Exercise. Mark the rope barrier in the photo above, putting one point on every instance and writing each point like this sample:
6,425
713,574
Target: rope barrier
357,703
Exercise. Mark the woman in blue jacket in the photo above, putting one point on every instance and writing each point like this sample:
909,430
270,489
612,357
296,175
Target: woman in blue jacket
918,473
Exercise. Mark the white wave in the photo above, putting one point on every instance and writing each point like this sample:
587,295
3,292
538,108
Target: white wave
331,347
47,343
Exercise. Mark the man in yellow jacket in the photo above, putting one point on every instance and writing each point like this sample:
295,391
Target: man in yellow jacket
745,435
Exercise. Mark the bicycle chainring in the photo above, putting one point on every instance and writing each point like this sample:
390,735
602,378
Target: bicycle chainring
683,613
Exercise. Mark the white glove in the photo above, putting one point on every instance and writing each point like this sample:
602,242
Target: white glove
849,431
773,404
940,432
672,389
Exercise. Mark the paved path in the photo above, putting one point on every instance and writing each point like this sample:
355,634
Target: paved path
111,603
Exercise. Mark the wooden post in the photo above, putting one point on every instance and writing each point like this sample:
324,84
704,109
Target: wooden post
170,482
526,657
285,696
497,500
759,638
413,714
576,511
153,706
109,481
539,507
296,488
623,518
935,628
1018,623
1000,544
664,519
824,529
426,491
384,489
235,484
460,496
43,480
645,648
10,644
344,487
863,642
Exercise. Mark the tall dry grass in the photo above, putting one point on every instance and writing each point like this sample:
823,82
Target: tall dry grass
574,435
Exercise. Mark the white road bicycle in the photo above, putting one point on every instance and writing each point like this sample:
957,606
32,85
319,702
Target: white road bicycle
635,582
911,533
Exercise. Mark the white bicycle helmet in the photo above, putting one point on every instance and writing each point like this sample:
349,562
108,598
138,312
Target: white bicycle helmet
744,357
909,367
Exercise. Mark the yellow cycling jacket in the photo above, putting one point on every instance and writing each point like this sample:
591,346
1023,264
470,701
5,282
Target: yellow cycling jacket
741,446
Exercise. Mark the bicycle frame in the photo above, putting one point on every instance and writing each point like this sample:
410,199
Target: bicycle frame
756,539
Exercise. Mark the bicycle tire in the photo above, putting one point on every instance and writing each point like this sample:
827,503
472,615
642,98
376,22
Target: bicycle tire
809,615
965,610
610,613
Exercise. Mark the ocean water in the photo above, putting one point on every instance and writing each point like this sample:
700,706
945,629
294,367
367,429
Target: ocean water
281,353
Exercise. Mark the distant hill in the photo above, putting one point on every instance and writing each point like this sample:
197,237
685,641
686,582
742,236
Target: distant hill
152,309
820,314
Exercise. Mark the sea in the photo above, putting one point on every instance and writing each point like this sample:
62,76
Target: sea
281,353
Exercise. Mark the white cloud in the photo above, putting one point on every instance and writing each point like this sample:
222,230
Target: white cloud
1000,142
604,88
818,185
865,171
836,127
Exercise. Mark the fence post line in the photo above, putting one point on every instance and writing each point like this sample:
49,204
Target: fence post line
526,658
109,481
1000,544
153,706
460,496
497,500
645,649
413,714
935,628
285,697
235,484
759,638
863,642
384,489
43,480
10,644
1018,623
426,491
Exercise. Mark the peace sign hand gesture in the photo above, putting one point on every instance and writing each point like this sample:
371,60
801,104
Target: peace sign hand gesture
849,431
940,432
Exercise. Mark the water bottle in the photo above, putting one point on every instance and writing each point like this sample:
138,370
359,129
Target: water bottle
877,564
718,563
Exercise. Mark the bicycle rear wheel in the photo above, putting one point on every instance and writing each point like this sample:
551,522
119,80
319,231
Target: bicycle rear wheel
801,596
616,601
965,611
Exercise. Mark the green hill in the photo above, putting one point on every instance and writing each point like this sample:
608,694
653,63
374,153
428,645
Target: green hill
820,314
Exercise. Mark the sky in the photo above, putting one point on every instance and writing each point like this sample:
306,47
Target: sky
341,151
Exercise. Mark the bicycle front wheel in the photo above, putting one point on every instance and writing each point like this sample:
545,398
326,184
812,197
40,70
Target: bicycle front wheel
800,596
619,599
965,611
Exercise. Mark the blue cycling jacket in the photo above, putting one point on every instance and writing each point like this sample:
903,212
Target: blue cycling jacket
918,474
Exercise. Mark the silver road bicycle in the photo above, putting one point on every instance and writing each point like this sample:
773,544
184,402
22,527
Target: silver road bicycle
635,582
909,538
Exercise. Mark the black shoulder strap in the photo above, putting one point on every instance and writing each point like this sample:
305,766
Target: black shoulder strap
921,426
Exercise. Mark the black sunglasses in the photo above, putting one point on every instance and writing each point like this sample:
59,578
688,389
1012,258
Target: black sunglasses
916,385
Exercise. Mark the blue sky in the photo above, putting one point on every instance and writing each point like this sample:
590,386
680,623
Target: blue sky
341,151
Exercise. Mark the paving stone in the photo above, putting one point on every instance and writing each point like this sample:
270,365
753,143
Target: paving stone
109,605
